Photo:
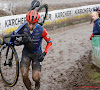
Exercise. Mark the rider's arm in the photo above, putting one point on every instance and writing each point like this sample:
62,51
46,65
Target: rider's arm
17,31
47,38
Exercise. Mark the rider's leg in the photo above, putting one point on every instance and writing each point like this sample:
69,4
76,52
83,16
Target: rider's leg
24,66
26,80
36,78
36,70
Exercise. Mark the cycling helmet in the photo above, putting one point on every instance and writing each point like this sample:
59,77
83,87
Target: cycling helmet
32,16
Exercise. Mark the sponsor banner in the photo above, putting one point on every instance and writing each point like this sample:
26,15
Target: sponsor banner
10,23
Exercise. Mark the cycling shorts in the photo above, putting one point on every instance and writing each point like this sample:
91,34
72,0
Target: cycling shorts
30,58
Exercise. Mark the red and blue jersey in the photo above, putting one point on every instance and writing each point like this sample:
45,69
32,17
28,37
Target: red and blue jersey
36,37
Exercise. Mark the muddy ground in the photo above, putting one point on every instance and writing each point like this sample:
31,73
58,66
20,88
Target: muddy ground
67,64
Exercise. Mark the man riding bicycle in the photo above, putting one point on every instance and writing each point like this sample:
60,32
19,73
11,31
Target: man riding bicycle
32,51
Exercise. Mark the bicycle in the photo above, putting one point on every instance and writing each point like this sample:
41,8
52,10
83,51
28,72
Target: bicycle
9,62
8,52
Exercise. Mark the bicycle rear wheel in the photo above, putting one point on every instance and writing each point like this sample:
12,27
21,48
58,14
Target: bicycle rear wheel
43,7
10,72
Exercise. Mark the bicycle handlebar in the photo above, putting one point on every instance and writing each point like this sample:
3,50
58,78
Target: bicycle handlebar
12,36
18,35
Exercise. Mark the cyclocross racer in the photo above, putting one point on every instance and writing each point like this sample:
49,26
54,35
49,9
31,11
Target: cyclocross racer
32,51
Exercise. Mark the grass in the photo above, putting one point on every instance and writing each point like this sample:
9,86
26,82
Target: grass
94,74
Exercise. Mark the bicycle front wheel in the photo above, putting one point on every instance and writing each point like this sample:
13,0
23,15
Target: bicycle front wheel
9,67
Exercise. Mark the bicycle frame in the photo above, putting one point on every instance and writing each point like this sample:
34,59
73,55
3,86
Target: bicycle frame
10,62
11,43
7,51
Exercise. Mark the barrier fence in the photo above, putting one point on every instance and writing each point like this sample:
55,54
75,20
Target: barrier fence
11,23
96,50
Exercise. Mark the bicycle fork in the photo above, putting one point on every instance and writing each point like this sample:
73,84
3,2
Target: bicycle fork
10,59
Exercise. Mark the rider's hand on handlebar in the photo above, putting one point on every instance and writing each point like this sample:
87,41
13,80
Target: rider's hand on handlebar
16,43
21,40
25,39
91,37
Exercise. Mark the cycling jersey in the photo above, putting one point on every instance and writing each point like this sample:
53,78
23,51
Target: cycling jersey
96,28
36,38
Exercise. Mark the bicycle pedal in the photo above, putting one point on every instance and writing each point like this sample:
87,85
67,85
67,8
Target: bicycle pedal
10,63
5,63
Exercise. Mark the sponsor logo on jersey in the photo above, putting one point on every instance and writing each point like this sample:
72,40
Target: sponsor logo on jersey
48,36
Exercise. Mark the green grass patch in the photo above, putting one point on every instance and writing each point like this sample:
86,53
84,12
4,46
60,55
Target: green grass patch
94,74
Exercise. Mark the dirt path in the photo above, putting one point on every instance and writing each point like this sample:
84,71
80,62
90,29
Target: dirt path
70,44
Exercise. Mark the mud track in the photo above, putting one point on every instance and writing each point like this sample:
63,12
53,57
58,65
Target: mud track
65,65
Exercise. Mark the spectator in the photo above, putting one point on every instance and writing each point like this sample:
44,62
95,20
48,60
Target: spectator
96,27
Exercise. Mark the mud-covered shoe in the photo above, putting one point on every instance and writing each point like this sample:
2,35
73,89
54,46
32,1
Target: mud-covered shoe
37,86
